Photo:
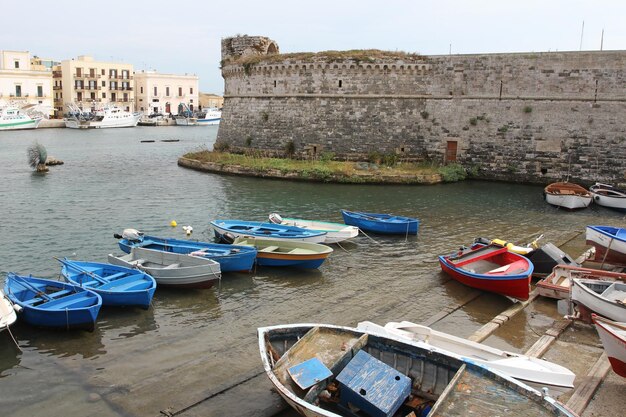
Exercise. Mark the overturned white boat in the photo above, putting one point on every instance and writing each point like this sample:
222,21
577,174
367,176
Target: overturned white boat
537,373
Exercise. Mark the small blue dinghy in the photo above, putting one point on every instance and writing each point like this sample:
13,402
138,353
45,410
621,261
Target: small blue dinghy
117,285
49,303
265,230
381,223
232,258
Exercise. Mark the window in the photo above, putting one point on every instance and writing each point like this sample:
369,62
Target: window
190,90
40,91
155,90
104,95
141,89
17,64
340,82
103,72
93,96
167,91
180,91
18,91
104,83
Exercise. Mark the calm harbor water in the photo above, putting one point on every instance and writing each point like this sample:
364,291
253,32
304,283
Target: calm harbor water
192,344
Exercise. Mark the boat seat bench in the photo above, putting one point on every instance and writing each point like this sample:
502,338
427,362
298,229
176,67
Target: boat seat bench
269,249
171,266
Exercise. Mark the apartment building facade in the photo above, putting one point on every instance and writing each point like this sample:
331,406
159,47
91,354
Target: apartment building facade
165,93
23,82
89,84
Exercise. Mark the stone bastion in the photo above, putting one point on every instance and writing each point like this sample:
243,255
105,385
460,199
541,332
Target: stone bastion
530,117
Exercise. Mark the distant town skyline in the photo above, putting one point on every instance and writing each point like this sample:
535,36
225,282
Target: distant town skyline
185,38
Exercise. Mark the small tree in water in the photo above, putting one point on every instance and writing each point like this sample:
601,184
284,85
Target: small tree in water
37,156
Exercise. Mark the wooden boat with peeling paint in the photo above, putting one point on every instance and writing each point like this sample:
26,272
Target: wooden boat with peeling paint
567,195
558,284
333,371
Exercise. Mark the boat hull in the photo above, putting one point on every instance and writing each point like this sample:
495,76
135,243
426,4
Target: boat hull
515,285
567,195
335,232
231,258
279,253
439,373
558,283
171,269
7,312
381,223
268,230
132,288
20,124
613,337
608,196
609,243
537,373
77,310
583,294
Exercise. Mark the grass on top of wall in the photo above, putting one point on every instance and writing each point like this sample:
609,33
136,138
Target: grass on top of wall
357,55
321,168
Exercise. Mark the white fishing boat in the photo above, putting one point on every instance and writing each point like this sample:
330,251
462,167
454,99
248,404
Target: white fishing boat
567,195
106,117
186,120
331,371
209,117
606,298
172,269
608,196
537,373
609,243
7,312
613,337
12,118
335,232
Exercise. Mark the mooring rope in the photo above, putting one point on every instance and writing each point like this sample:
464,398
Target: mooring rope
361,230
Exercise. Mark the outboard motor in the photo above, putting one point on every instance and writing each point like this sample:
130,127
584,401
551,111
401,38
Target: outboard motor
275,218
227,238
132,235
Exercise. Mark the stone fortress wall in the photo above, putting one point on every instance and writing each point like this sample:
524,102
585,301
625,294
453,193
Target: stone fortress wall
532,117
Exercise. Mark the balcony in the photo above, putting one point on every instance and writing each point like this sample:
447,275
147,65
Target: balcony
57,87
56,74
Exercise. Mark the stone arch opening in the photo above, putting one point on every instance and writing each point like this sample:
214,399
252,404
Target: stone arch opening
272,48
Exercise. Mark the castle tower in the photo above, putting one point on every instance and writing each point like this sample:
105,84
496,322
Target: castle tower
247,45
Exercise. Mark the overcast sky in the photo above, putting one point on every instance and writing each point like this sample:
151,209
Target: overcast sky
184,36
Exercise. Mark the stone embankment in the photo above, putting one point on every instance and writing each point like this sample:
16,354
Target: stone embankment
358,177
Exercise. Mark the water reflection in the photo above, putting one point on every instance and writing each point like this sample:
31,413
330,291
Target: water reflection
126,322
9,354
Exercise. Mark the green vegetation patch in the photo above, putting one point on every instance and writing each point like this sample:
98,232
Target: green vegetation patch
323,169
357,55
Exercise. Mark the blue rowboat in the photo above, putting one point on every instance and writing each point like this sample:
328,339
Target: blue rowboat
231,258
117,285
381,223
49,303
265,230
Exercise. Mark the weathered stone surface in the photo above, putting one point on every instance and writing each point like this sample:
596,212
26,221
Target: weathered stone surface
534,117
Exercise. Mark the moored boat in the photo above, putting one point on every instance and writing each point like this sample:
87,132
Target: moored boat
609,243
232,258
558,284
567,195
265,230
608,196
335,232
613,337
12,118
287,253
209,116
7,312
606,298
332,371
490,268
117,285
49,303
110,116
381,223
172,269
537,373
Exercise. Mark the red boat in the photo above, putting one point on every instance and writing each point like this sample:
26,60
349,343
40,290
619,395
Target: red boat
490,268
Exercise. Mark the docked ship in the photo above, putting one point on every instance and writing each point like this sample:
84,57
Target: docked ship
106,117
12,118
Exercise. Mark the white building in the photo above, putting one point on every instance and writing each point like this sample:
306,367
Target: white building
23,83
165,93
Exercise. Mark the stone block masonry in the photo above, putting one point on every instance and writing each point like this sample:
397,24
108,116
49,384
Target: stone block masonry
531,117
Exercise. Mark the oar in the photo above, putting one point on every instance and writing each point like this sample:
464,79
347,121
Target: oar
71,264
21,281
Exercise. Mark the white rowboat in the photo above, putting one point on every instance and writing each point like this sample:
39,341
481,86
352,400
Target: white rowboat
606,298
567,195
537,373
613,337
7,312
335,232
608,196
